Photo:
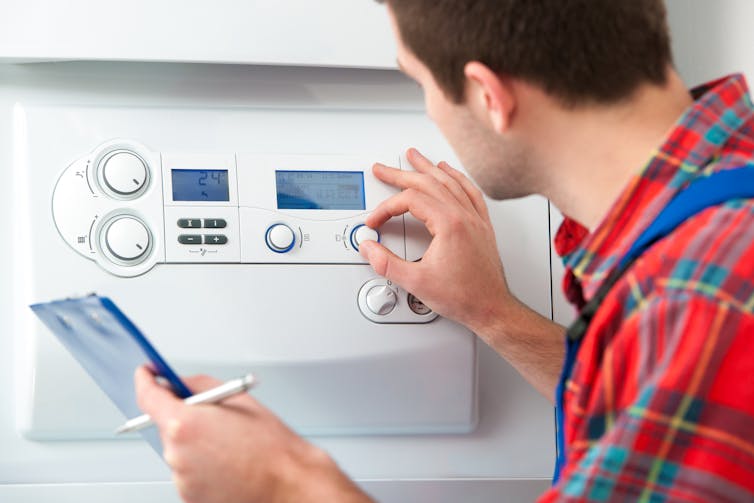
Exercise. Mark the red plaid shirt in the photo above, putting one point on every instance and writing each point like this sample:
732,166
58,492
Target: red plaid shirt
660,404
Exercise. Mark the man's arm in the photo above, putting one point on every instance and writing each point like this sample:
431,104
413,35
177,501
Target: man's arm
532,344
461,276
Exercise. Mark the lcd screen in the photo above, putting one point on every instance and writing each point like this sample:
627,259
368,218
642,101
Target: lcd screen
200,185
320,190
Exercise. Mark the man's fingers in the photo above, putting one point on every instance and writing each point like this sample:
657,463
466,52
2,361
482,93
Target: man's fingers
453,187
199,383
389,265
451,183
474,194
408,201
418,161
391,176
406,179
434,183
157,401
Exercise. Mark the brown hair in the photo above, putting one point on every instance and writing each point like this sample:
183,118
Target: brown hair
580,51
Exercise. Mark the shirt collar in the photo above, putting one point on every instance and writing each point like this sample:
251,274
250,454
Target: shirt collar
721,108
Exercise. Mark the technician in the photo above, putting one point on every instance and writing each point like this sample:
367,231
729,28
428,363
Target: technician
578,101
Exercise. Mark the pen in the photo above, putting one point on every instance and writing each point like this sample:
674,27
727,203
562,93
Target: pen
213,395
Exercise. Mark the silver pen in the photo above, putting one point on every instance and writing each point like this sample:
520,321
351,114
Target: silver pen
213,395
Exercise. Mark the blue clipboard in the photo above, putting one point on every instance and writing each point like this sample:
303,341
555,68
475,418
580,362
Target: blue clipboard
110,348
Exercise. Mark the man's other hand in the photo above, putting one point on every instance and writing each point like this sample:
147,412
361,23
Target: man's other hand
460,275
237,451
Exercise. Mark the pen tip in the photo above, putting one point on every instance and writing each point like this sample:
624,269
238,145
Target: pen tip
249,380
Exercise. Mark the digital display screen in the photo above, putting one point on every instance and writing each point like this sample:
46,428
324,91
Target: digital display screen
200,185
320,190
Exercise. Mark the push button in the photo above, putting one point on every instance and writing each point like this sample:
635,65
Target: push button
280,238
215,223
190,239
215,239
190,223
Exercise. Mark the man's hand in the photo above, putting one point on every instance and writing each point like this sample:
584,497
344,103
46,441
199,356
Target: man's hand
238,451
460,276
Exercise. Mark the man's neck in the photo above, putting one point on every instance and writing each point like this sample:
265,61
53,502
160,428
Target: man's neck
592,153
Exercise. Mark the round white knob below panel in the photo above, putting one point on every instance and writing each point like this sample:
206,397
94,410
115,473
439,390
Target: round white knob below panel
127,239
280,238
362,233
381,300
124,173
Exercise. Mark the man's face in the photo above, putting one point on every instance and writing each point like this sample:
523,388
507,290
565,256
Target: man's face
498,163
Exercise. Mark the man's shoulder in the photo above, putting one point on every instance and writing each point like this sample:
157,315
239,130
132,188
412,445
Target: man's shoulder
703,264
711,255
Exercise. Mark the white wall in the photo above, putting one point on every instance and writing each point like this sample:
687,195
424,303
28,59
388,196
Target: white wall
712,38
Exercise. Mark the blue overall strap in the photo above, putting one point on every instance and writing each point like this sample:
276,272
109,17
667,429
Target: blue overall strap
703,193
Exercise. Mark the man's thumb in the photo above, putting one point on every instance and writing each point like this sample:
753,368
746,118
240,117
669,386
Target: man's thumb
386,263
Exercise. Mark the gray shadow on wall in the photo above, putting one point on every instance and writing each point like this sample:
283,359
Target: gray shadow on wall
704,38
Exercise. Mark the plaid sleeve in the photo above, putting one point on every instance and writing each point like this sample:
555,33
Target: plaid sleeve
681,423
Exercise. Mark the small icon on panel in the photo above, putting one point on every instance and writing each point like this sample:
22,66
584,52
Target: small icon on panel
81,240
203,251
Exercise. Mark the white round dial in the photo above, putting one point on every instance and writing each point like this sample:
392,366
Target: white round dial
280,238
362,233
124,173
127,239
381,299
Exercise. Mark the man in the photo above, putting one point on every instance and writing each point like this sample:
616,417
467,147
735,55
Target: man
578,101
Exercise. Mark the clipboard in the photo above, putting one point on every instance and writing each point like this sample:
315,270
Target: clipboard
109,347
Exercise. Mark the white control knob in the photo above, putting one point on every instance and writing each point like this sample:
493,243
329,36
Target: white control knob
362,233
127,239
124,173
280,238
381,299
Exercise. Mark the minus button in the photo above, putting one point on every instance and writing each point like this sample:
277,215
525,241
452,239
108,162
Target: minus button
190,239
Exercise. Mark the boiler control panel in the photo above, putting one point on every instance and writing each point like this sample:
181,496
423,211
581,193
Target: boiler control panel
129,208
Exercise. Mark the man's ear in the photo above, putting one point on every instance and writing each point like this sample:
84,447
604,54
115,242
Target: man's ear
489,95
